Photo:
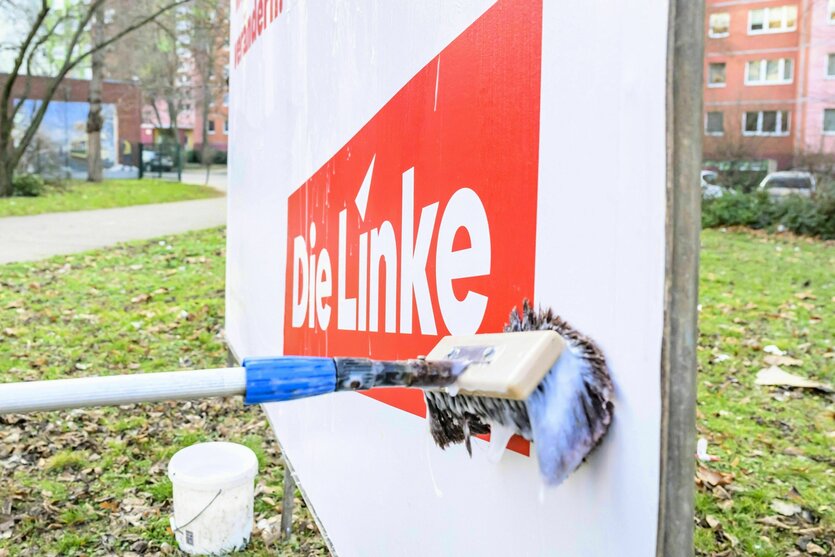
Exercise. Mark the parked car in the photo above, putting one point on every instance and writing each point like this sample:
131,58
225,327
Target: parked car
789,182
156,162
710,188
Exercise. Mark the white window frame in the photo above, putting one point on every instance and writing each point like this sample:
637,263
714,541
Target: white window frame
763,65
830,10
710,32
707,132
779,124
716,85
823,123
226,126
765,30
210,128
826,73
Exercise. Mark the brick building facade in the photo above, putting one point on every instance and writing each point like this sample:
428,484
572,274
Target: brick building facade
768,95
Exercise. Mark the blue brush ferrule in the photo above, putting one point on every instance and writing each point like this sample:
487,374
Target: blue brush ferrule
288,378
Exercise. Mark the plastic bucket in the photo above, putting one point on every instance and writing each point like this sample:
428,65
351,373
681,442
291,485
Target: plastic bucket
213,493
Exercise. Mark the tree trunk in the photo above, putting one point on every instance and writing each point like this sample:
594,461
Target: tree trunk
94,117
6,176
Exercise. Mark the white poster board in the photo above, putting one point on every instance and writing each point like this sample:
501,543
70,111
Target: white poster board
402,170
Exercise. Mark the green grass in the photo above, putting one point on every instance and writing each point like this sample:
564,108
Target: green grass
93,482
82,196
758,290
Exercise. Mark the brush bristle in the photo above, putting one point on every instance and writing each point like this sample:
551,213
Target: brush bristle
571,408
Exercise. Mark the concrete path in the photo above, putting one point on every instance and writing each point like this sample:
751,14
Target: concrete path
197,176
42,236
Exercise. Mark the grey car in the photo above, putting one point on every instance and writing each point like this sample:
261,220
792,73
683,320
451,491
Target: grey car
789,182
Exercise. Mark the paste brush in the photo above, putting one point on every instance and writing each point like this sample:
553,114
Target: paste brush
560,398
258,380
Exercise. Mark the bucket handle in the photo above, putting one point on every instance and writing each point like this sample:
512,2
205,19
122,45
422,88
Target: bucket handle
195,517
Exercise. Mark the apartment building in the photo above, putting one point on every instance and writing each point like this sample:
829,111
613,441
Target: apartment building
769,80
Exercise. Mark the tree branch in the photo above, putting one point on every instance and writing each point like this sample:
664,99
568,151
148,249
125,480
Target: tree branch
10,81
70,63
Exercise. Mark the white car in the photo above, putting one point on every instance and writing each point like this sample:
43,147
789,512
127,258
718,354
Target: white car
710,189
788,182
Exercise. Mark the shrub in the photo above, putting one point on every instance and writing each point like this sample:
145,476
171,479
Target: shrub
810,216
27,185
736,209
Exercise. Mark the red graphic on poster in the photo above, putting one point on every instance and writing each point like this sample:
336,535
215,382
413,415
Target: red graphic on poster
424,223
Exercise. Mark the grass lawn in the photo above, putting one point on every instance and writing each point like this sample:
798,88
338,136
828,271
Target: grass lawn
81,196
774,445
93,482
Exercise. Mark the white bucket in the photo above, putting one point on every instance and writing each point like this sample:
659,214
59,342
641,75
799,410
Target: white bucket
213,493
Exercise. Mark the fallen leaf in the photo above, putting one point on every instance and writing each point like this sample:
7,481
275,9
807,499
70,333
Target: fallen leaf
726,505
814,549
713,522
785,508
807,295
771,349
775,360
775,376
774,521
713,478
110,505
794,494
9,332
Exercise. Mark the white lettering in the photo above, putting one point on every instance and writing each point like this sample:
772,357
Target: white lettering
383,246
362,302
311,314
462,317
346,308
414,252
324,289
299,267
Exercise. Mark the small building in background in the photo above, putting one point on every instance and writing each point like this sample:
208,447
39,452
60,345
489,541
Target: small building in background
769,96
60,146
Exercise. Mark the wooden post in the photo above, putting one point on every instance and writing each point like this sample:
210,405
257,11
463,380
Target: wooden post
678,360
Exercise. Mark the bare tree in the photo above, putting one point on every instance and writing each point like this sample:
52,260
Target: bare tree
94,118
26,52
207,39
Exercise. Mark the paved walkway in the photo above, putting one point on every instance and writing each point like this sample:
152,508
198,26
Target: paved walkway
217,177
42,236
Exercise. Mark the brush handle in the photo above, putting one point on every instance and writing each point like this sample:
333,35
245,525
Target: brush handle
259,380
292,377
288,378
115,390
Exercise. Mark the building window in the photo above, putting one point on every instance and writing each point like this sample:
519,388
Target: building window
831,13
211,126
716,74
768,72
772,20
829,121
715,123
830,66
720,25
226,126
766,122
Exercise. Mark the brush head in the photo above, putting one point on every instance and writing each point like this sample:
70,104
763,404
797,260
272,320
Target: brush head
501,365
565,414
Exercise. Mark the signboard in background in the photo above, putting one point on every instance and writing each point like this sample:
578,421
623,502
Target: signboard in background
61,141
402,171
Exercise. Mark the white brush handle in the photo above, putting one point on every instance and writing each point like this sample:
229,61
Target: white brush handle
114,390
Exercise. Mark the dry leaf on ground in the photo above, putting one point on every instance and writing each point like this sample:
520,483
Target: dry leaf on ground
775,376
